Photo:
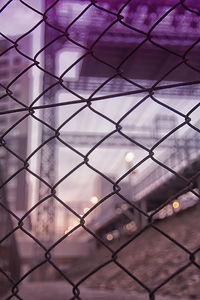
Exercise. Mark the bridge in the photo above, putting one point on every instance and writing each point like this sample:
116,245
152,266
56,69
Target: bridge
153,192
158,193
162,182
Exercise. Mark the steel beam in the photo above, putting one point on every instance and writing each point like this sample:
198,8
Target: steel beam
84,139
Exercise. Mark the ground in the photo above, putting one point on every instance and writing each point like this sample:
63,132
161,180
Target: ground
153,259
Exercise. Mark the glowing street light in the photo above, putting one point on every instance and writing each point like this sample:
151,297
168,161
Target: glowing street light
129,157
86,209
70,227
94,199
175,204
109,237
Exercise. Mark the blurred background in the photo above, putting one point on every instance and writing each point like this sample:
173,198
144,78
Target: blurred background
99,107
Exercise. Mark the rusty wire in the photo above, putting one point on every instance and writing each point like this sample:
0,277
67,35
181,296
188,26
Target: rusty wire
116,15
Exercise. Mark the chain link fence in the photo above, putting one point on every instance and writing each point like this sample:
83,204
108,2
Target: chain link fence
93,80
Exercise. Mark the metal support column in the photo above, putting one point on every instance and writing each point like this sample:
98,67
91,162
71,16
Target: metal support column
45,225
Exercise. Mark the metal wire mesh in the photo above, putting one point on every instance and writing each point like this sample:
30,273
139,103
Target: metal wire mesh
143,50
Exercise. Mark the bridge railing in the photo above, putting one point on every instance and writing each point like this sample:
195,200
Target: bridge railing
155,175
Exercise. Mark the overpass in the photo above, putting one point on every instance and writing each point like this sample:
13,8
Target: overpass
175,185
157,187
152,198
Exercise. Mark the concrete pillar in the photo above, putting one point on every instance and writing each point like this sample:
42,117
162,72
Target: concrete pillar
141,220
